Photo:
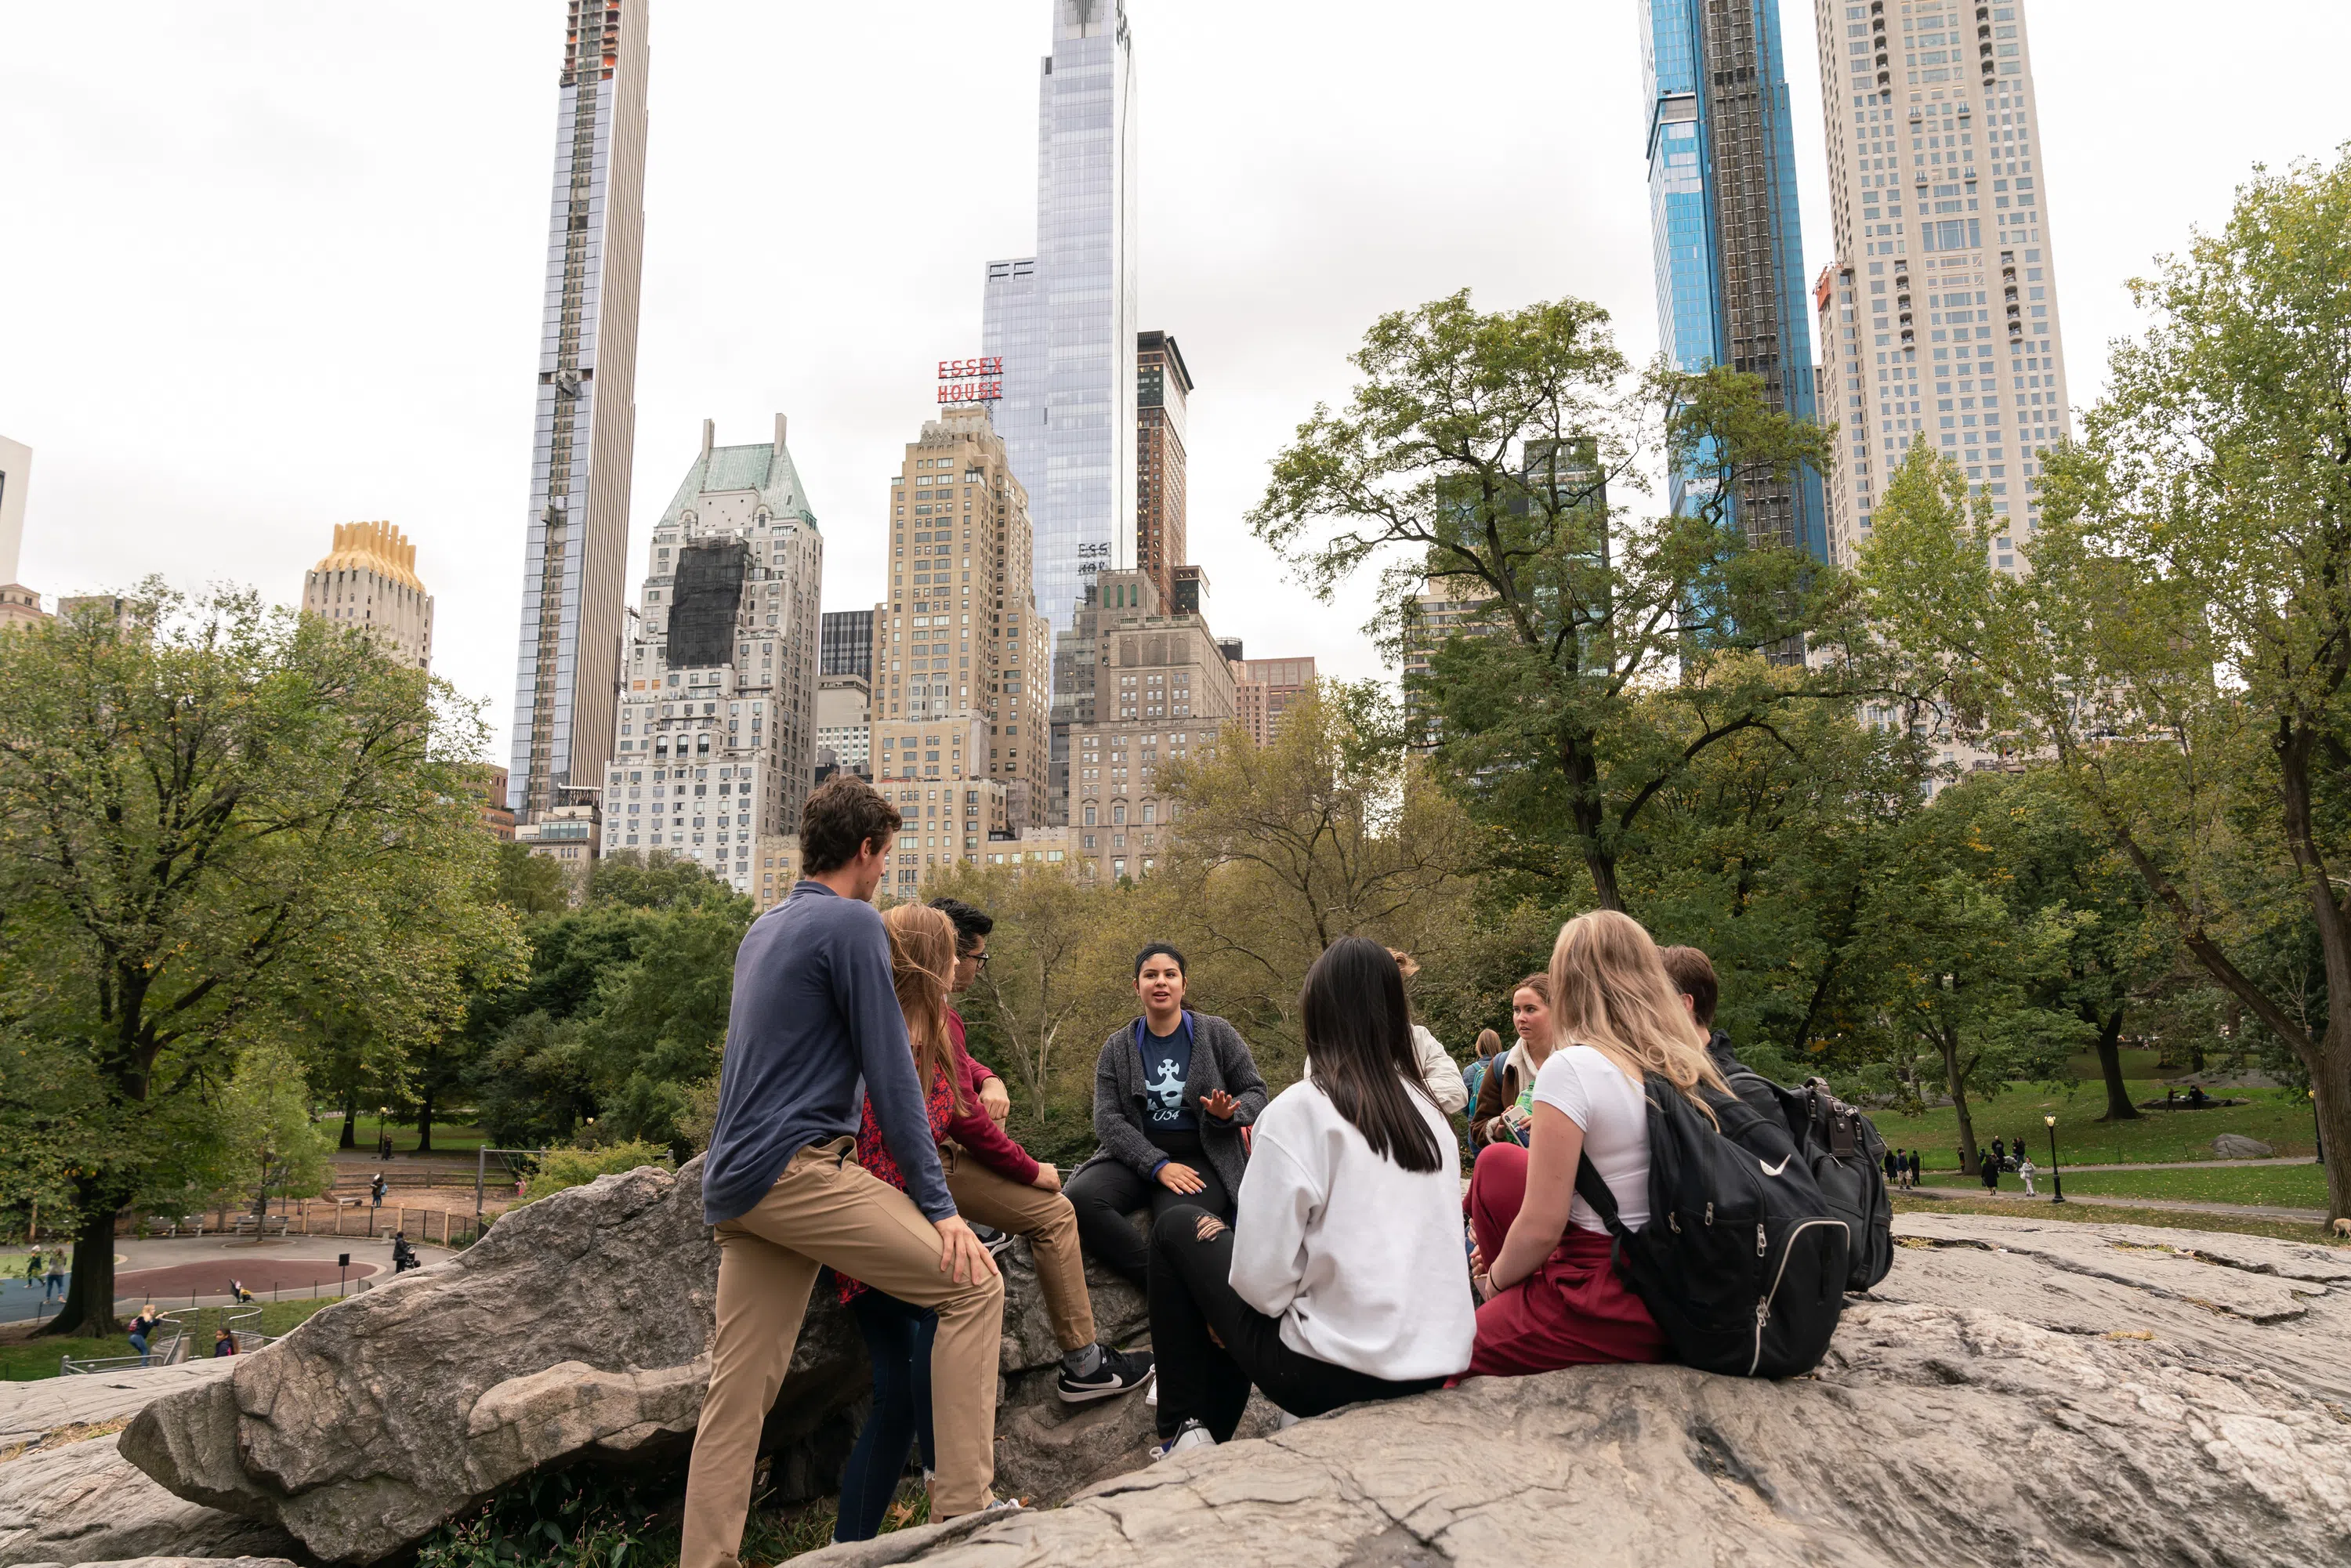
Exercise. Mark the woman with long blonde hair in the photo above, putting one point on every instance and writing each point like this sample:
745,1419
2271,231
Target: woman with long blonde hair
898,1334
1543,1263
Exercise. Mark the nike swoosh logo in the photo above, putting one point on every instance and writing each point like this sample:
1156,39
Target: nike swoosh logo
1775,1170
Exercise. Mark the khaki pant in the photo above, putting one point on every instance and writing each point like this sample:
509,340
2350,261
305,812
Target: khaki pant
990,1198
827,1210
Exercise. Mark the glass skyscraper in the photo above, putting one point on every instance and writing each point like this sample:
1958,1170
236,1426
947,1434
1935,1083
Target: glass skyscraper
576,533
1063,320
1728,239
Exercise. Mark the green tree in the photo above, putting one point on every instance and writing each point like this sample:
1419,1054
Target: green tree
2179,650
198,813
1478,451
528,884
269,1146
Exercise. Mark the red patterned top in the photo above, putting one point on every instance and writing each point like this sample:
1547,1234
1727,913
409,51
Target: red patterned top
873,1154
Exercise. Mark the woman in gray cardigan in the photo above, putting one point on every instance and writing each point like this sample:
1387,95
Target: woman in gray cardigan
1171,1093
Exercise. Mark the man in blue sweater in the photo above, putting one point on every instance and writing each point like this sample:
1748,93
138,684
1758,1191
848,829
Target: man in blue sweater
814,1012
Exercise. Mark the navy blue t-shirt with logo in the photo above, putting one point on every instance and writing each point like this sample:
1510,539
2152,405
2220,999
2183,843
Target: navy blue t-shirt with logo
1167,1062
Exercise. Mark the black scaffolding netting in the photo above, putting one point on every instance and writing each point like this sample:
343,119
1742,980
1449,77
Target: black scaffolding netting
704,603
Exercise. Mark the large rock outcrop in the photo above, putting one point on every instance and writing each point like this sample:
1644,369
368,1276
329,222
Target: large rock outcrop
2079,1394
578,1329
2017,1390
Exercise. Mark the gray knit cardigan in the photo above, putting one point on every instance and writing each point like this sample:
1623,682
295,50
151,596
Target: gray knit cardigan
1221,1059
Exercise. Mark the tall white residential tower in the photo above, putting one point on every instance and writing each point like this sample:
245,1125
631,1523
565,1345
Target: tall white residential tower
718,708
1063,320
575,537
1938,319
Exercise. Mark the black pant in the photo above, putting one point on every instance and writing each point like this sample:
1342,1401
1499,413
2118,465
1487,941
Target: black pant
898,1339
1191,1294
1106,1191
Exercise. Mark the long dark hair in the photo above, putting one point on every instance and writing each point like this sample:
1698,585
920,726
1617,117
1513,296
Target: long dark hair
1359,1040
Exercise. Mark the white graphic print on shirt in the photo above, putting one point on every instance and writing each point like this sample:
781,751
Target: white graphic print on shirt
1166,1093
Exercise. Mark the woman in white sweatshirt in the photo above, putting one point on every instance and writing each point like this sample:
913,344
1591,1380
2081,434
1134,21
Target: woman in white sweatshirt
1341,1277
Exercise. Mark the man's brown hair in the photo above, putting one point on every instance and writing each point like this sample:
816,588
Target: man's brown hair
843,815
1692,973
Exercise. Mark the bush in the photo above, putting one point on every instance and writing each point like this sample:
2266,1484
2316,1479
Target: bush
561,1168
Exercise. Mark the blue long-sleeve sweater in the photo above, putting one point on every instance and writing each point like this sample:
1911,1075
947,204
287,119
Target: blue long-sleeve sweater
813,1012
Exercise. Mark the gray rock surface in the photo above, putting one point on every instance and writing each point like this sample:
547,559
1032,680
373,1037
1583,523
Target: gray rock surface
29,1411
85,1503
176,1563
578,1329
2237,1146
2079,1394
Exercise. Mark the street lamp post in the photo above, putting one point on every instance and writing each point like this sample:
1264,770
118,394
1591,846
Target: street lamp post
2056,1175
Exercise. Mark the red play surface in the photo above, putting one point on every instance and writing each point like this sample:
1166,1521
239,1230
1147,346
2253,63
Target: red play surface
290,1276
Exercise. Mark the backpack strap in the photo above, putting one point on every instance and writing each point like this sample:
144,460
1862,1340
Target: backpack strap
1589,1187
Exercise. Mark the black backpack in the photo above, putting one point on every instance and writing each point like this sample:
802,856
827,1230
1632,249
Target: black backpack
1742,1264
1847,1159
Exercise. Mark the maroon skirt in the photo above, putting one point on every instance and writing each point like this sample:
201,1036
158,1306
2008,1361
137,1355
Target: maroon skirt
1572,1312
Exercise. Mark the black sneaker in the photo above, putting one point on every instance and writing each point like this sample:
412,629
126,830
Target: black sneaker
996,1241
1120,1372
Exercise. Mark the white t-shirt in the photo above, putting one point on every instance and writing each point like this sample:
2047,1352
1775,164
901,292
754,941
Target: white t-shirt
1592,1091
1359,1258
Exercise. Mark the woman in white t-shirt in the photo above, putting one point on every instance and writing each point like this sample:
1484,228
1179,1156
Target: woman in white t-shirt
1543,1263
1340,1279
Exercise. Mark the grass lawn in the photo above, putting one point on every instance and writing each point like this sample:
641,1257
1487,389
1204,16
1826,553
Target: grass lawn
2109,1213
22,1360
2288,1187
2278,1117
448,1138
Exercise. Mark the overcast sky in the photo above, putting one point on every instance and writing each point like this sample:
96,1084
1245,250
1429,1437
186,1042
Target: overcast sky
266,268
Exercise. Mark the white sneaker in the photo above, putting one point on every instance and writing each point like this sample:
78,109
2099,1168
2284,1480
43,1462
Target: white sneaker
1151,1395
1192,1435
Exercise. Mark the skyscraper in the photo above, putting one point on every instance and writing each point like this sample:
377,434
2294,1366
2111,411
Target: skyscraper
1938,319
583,442
718,718
848,643
368,583
1162,394
1063,320
958,644
1727,242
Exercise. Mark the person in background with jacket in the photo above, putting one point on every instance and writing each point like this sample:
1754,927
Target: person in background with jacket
996,1182
1172,1091
224,1344
143,1327
1437,1066
1341,1280
1473,1077
1498,1116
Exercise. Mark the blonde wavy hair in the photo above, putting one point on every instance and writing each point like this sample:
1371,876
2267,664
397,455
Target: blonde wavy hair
921,967
1609,990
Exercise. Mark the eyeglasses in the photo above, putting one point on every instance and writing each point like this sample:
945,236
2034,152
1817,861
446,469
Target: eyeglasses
978,958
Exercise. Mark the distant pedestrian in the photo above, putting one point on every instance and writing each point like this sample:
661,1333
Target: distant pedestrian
1999,1154
1473,1077
1989,1168
142,1326
1915,1164
2027,1169
376,1190
2019,1147
1887,1166
32,1269
54,1281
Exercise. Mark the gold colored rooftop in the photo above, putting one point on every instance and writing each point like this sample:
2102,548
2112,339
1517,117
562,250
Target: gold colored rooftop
378,548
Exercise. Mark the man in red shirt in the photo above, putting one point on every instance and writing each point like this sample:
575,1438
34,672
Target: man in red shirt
994,1181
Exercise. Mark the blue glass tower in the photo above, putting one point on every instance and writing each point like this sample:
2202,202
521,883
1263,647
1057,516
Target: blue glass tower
1726,230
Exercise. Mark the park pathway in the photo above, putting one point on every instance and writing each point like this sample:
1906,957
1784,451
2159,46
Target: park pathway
2179,1205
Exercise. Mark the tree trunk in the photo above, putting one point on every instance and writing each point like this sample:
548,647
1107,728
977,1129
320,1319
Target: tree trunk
351,1119
424,1121
2330,1080
89,1294
1947,1040
2110,1065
